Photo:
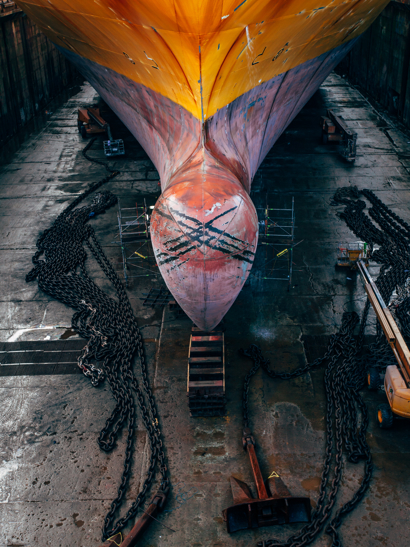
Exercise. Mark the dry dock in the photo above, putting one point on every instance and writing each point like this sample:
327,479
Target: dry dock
55,484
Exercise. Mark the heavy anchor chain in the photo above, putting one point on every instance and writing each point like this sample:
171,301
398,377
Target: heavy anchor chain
343,409
393,238
346,413
113,339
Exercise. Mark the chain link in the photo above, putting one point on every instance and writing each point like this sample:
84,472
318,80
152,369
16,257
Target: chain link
347,418
113,338
111,331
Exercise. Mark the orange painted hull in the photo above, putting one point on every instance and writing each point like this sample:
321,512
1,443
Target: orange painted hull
204,227
206,87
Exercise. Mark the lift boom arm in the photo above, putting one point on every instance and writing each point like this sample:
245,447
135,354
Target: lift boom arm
387,322
100,121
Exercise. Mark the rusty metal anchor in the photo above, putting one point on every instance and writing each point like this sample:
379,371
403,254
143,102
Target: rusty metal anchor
156,505
274,504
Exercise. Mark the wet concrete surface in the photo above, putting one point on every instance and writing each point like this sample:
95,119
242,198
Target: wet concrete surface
56,485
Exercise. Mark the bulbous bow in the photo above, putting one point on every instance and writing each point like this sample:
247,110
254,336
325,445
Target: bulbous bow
204,231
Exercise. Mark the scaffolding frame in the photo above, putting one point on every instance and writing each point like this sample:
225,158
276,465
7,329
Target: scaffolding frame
277,235
134,239
157,298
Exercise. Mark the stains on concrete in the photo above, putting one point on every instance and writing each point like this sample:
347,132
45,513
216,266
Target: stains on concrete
51,464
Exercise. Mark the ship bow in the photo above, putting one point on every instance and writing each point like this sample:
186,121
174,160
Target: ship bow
204,231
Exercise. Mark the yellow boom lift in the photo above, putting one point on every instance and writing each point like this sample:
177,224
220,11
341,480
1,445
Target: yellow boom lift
397,378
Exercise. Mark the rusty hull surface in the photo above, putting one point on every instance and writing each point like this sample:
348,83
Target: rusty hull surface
204,226
204,231
56,485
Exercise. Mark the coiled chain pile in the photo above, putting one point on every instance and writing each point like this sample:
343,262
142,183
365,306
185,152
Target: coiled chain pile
114,338
346,413
111,331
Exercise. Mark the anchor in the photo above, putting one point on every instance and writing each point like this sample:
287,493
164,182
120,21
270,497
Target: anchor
274,504
156,505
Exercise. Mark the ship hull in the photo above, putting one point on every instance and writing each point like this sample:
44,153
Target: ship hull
206,87
205,253
238,135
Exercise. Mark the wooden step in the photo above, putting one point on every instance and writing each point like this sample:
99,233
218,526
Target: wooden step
206,349
206,373
210,370
199,332
204,383
211,366
211,338
197,360
211,345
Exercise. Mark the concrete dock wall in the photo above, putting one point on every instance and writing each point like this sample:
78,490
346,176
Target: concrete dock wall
32,72
379,63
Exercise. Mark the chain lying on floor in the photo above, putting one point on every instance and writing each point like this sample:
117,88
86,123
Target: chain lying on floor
346,413
393,255
113,337
345,409
111,330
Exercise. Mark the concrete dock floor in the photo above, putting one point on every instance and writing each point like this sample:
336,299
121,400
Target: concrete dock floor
56,485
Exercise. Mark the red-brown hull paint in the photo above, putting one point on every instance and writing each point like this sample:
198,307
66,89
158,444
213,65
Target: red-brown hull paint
204,231
242,133
204,227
